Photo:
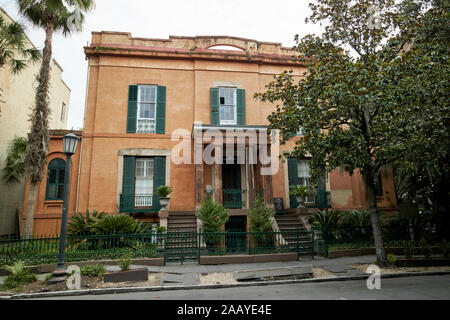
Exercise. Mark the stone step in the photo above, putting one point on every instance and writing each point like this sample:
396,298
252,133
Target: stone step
182,213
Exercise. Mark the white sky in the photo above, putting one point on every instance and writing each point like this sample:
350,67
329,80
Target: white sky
263,20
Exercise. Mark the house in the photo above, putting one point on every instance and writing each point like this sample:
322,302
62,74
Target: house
17,97
181,112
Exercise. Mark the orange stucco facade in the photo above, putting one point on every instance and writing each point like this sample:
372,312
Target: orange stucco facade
188,69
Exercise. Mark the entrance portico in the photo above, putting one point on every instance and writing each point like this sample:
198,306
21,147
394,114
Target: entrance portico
237,155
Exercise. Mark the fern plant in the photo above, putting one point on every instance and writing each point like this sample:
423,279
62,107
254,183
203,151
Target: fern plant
326,219
18,276
357,218
164,191
300,191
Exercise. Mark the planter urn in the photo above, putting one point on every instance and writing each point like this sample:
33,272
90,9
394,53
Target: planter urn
164,202
300,201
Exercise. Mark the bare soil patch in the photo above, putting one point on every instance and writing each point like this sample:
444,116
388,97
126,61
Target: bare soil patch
322,273
218,278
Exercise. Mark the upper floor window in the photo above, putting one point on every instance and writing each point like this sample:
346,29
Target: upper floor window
227,102
55,179
146,116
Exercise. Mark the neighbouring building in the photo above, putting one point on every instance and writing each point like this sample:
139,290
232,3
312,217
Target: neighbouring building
141,91
17,98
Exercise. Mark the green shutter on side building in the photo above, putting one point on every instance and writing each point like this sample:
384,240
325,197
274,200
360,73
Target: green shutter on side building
132,108
240,93
161,110
159,180
293,179
214,101
128,184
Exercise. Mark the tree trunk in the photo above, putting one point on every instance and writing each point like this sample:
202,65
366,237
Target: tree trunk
32,193
37,147
379,246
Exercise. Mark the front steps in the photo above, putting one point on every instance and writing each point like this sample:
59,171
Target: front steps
289,224
182,221
181,239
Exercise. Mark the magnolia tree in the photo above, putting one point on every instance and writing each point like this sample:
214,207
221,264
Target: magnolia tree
359,92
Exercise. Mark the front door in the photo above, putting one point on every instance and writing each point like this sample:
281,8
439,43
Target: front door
236,236
231,185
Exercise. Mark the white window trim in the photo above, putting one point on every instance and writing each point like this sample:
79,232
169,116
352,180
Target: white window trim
138,117
229,122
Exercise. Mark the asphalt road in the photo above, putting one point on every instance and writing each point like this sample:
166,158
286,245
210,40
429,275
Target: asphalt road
425,287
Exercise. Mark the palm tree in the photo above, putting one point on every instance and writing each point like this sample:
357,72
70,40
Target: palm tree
53,16
15,50
14,169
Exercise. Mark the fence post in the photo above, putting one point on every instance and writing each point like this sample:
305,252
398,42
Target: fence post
165,247
312,243
298,242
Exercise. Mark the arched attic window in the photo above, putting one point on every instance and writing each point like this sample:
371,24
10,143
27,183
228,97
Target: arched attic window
225,47
55,179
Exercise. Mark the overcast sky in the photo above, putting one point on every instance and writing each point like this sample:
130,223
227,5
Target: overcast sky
263,20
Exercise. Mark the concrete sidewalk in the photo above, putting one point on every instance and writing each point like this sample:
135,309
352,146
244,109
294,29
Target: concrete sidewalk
188,272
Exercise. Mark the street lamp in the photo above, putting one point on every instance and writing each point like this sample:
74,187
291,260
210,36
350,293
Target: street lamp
70,142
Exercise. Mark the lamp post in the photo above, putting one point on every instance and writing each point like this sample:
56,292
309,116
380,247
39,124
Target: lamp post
70,142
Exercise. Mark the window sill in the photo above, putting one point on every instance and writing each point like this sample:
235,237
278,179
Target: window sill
53,201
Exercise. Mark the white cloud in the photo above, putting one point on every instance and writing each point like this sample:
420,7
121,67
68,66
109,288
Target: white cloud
263,20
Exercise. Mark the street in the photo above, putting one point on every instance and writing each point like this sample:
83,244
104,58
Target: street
422,287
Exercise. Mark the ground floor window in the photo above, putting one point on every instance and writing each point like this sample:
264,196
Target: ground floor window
55,180
304,177
144,182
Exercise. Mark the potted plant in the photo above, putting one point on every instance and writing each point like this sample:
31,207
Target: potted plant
163,192
300,193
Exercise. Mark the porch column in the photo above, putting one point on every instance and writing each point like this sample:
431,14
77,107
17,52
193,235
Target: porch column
218,182
267,182
249,166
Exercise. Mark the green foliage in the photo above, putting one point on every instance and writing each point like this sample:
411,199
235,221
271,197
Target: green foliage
117,223
48,278
327,219
93,270
409,249
14,169
161,229
260,217
124,262
443,245
357,91
300,191
392,259
14,50
357,218
164,191
425,248
79,225
18,276
213,215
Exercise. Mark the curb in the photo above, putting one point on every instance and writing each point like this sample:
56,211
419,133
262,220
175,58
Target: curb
101,291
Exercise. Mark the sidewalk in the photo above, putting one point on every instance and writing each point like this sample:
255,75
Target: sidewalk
189,272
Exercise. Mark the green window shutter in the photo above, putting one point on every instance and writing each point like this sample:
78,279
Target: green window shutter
132,108
214,101
159,180
240,95
293,179
161,110
127,202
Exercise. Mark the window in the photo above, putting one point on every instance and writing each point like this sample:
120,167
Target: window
227,105
146,113
304,177
144,182
63,112
55,180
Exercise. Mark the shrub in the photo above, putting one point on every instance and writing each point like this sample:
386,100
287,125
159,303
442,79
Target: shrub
124,262
117,223
409,249
93,270
161,229
425,247
443,245
326,219
260,217
164,191
213,215
300,191
392,259
356,218
18,276
79,225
